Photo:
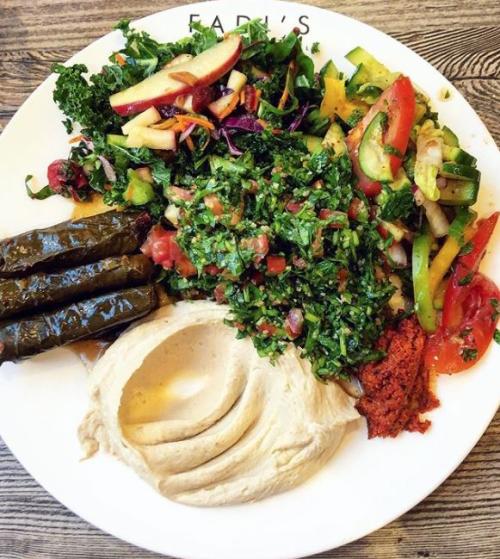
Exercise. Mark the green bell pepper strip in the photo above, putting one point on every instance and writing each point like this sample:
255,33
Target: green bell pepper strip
424,306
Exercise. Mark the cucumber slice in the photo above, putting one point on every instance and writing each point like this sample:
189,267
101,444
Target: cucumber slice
329,70
377,73
316,124
116,140
450,138
420,111
138,192
409,164
373,159
313,143
458,155
400,181
452,170
359,78
369,93
335,139
459,193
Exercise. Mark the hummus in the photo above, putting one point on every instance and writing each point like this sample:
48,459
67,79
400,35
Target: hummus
204,419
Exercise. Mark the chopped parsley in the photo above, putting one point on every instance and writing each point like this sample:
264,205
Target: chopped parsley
466,279
392,150
496,309
466,249
264,218
469,354
496,336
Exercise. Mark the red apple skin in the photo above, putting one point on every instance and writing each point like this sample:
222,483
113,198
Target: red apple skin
169,97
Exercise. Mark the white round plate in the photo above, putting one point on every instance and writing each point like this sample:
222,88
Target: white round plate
368,483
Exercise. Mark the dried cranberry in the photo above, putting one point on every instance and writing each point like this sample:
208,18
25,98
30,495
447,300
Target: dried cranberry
67,178
202,97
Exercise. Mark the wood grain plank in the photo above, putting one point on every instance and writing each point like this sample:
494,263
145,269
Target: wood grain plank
462,40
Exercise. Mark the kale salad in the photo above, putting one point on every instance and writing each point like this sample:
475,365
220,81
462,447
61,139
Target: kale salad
321,208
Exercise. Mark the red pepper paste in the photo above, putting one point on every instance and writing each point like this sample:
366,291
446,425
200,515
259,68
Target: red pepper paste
396,389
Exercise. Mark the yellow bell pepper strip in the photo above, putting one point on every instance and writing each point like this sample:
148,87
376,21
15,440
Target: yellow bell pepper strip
424,307
439,295
335,101
449,251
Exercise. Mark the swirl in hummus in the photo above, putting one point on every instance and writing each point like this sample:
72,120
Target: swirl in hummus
203,418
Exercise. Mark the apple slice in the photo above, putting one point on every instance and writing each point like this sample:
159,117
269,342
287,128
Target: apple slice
162,89
146,118
224,106
184,102
179,59
143,137
236,81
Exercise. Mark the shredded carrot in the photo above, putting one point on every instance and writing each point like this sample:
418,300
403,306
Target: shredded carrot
262,122
184,77
242,97
165,124
190,119
76,139
230,108
258,95
283,99
286,92
179,127
190,143
120,59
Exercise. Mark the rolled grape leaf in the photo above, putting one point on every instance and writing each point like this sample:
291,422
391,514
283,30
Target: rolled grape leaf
73,243
29,336
42,290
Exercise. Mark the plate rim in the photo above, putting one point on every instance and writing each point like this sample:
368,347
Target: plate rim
306,549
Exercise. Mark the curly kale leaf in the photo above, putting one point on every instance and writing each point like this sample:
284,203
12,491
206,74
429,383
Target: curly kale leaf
82,102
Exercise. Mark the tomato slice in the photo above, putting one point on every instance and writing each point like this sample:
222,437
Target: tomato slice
485,228
259,244
275,265
470,310
469,322
162,248
398,101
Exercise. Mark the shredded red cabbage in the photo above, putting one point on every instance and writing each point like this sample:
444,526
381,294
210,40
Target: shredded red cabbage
245,122
168,111
297,121
233,150
187,132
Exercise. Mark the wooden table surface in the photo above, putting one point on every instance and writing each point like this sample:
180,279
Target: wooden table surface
462,40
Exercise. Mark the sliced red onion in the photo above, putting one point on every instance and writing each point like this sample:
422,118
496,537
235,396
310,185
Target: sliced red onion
233,150
88,143
397,255
108,169
441,182
294,323
353,386
245,122
215,133
419,196
437,219
187,132
297,121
